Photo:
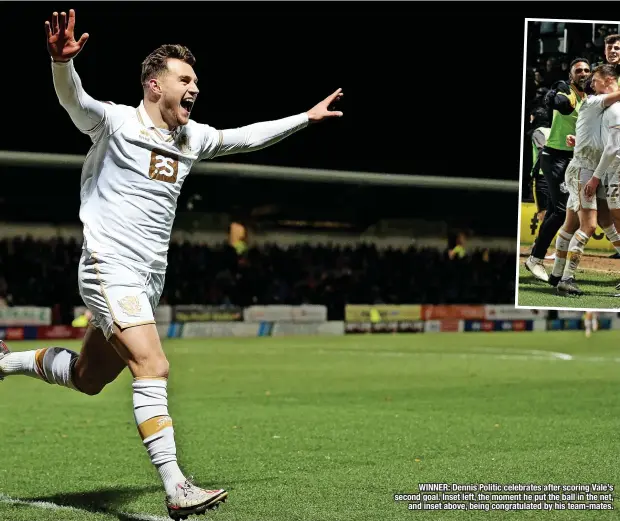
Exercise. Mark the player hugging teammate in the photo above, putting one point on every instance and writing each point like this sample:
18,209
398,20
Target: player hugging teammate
590,183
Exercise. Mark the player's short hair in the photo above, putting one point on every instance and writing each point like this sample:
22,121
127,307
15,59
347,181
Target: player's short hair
577,60
606,70
156,62
612,38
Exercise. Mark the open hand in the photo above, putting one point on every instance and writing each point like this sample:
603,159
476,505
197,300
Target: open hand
323,110
61,42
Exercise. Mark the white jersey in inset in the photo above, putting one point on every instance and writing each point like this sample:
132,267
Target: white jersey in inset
611,123
611,119
588,140
133,173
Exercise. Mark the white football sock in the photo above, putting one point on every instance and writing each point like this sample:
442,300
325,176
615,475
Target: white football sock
575,251
20,362
150,402
612,236
561,245
53,365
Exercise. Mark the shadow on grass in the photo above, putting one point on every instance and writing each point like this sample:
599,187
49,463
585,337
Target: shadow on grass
111,500
102,501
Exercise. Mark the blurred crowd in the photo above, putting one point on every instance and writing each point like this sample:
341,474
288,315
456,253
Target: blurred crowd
44,273
543,70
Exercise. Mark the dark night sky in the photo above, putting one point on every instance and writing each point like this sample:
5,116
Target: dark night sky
427,85
409,84
430,88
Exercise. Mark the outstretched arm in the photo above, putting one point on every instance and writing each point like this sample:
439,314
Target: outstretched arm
612,148
611,98
86,112
261,135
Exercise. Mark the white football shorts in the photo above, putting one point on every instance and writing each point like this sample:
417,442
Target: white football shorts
576,179
117,293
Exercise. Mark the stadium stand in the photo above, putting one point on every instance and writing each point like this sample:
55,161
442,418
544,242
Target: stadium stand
44,273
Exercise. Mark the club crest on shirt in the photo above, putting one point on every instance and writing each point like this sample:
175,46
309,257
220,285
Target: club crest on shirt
130,305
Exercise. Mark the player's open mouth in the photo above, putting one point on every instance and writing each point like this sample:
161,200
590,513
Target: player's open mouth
187,104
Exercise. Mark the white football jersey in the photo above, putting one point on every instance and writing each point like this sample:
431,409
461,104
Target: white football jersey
611,118
588,140
131,180
133,173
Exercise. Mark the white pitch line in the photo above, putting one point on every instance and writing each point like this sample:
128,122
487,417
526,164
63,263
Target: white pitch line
547,354
534,353
502,354
47,505
597,359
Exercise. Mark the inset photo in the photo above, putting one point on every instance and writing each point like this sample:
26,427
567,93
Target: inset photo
569,244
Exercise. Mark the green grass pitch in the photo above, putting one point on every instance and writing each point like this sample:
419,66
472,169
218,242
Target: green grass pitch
325,429
599,288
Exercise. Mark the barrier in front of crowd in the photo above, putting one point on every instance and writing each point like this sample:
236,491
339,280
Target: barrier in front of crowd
198,321
530,226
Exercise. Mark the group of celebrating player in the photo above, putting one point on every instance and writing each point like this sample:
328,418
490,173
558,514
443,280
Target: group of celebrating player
581,167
